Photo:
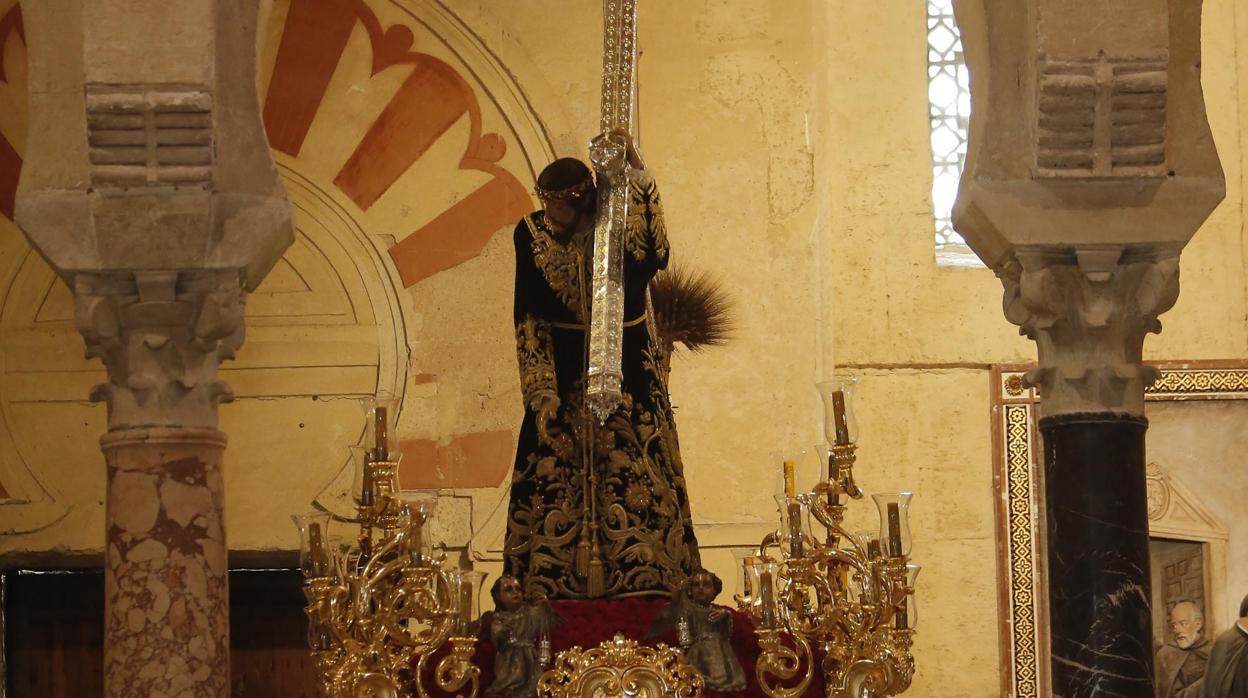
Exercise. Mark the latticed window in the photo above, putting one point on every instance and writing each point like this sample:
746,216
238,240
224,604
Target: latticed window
949,97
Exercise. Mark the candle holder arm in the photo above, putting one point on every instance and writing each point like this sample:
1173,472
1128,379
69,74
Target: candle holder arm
779,663
456,670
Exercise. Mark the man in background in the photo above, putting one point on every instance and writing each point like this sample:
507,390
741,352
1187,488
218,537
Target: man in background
1227,676
1181,663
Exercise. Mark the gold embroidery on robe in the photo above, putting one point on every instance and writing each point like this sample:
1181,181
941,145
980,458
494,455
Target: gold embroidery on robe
536,358
560,264
646,228
611,517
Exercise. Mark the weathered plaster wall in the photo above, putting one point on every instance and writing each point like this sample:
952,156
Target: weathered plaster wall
791,143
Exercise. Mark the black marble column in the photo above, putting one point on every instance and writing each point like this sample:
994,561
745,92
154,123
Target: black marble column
1097,516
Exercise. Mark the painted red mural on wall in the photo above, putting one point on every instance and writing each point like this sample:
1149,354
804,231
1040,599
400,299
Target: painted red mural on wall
10,160
430,100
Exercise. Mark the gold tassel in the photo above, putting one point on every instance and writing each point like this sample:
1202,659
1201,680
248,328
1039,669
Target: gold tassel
582,557
596,586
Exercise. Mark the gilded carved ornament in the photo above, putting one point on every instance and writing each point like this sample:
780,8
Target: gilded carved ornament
620,667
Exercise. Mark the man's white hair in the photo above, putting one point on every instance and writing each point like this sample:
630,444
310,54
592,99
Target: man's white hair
1196,612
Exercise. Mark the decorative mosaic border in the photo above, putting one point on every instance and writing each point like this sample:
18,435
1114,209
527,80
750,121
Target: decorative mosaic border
1020,486
1017,473
1197,383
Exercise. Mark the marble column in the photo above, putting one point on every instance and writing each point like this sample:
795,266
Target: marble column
1098,554
149,187
1089,313
161,336
166,592
1090,166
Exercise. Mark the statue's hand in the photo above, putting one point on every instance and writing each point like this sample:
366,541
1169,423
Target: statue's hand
548,412
536,597
609,151
624,138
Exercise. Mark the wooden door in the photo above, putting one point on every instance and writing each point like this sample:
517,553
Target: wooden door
1178,575
54,635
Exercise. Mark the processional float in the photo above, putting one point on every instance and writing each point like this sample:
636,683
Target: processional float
840,606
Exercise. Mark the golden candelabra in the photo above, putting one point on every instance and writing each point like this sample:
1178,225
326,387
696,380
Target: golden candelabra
381,605
843,601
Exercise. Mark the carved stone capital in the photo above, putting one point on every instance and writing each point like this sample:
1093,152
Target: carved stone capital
1088,311
161,335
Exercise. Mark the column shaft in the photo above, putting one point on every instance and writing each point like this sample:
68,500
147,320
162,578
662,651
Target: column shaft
1097,537
166,576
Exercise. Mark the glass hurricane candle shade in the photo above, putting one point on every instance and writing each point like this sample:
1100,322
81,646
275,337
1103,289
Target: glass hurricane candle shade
861,586
839,425
824,455
768,575
341,559
870,542
751,569
463,589
315,559
894,523
416,510
795,524
380,426
908,615
744,558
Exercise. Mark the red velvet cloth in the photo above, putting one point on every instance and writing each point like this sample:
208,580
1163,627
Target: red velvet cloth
590,623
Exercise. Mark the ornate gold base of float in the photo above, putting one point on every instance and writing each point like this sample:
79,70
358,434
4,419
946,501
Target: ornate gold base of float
621,667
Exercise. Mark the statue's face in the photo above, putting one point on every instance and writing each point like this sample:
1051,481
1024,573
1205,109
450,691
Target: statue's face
510,596
702,588
1186,625
560,215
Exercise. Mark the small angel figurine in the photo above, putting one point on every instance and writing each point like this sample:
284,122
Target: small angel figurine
520,631
705,630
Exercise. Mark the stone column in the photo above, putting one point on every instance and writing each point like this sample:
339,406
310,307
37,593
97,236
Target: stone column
1090,167
149,187
161,336
1088,314
166,591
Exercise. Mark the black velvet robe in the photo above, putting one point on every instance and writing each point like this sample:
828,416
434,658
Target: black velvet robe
634,536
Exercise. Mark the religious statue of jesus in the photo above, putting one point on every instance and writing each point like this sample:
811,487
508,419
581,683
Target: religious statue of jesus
598,510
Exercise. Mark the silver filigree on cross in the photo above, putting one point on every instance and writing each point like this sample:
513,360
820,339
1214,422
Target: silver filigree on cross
619,68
